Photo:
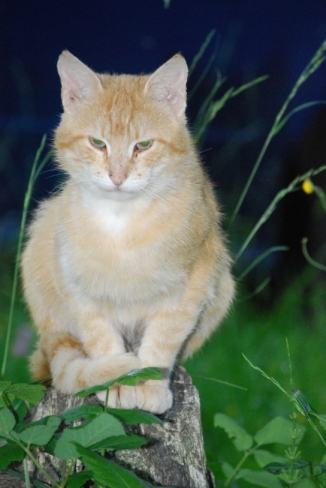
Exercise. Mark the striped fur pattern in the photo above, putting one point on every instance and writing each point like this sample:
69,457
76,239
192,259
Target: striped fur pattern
126,267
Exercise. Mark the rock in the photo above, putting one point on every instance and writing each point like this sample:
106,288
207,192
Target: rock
174,456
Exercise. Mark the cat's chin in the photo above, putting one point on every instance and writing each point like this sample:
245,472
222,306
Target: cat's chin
119,195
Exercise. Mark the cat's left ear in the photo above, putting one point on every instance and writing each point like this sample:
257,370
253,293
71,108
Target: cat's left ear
168,84
78,82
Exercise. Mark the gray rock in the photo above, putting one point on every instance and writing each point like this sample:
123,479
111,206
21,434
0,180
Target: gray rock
174,456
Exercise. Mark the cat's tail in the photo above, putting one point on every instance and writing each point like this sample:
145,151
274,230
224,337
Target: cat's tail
71,370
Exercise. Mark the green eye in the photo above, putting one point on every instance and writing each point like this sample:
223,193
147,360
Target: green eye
97,143
141,146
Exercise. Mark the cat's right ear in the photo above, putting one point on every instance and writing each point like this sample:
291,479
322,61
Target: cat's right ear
168,84
77,80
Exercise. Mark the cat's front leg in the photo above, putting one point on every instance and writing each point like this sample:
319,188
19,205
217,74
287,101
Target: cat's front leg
104,347
95,330
165,335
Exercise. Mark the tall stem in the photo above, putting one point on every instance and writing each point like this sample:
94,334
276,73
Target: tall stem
36,168
238,466
35,461
313,64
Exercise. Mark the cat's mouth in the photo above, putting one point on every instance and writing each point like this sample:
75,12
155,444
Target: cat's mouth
125,191
120,193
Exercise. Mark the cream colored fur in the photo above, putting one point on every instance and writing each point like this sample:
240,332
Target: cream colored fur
126,267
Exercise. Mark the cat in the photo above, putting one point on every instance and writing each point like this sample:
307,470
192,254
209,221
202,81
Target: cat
127,266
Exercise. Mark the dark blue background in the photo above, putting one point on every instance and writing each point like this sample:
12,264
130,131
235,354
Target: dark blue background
124,36
277,37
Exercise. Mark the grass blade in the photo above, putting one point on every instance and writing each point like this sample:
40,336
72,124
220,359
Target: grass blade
311,261
35,171
201,51
293,186
257,290
311,67
303,106
261,258
202,75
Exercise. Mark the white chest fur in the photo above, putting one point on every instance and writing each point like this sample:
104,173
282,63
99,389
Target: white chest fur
109,254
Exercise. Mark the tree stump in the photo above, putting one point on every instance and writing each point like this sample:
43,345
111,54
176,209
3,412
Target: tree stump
174,456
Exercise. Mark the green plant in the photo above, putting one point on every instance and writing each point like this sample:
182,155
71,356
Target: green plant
282,118
288,468
86,432
280,431
12,443
37,167
211,106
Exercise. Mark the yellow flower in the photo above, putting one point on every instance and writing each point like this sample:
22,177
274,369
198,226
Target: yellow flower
308,186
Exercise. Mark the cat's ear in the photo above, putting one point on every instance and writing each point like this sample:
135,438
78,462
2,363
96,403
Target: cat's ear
77,80
168,84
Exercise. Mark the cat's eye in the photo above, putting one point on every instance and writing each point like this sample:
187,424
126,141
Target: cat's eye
97,143
143,145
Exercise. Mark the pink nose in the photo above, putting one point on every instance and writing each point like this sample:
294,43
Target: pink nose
117,179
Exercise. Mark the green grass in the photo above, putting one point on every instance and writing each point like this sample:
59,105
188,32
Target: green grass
17,367
261,335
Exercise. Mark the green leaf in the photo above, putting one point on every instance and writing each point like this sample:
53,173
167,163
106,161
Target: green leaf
227,469
7,421
259,478
276,468
119,442
78,480
6,400
106,472
37,435
306,483
278,431
50,446
9,452
241,439
96,430
49,420
81,412
4,385
39,484
134,416
130,379
264,458
29,393
321,418
40,433
20,408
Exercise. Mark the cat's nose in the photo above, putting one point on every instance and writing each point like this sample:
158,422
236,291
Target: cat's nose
117,178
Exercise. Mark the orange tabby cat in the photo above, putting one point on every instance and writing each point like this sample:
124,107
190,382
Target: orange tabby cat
126,267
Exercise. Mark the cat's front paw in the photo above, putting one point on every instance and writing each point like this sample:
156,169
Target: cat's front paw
120,396
153,396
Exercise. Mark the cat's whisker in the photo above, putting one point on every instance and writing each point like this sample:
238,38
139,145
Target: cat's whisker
152,193
56,175
102,267
67,183
49,170
205,150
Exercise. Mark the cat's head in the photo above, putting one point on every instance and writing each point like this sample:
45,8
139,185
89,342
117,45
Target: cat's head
125,135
